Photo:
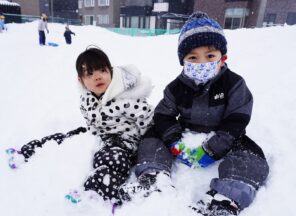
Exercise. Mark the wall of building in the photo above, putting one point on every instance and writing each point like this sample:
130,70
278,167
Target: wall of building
256,13
281,9
180,6
116,13
29,7
113,10
259,11
216,8
66,9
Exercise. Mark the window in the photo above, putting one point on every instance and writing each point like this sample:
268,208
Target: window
80,3
126,22
134,22
104,2
103,19
89,3
147,22
291,18
141,22
235,18
88,20
174,24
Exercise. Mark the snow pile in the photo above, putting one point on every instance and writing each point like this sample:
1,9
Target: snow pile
39,97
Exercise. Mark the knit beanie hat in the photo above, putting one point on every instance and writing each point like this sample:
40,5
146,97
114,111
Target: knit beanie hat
199,30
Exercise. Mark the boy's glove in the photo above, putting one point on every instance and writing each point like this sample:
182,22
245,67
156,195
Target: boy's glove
196,157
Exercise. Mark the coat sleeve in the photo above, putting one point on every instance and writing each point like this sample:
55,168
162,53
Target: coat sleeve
90,126
236,118
165,117
140,112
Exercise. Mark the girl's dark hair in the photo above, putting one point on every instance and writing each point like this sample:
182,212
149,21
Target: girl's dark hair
90,60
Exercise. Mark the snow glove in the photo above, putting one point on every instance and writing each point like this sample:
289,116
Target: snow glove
192,157
15,158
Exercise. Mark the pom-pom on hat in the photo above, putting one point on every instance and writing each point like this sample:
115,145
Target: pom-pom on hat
199,30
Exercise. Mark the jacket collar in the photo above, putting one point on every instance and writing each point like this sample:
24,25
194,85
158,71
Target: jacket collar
127,82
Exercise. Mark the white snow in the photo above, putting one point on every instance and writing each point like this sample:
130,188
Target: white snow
4,2
39,96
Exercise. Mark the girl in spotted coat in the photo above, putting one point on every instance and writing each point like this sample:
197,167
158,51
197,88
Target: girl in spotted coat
113,103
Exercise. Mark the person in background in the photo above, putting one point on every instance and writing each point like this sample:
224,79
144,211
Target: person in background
42,26
2,23
67,35
207,97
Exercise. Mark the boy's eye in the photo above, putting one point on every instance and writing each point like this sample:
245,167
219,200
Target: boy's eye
191,57
211,56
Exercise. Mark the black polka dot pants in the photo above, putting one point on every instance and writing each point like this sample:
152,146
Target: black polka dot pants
112,168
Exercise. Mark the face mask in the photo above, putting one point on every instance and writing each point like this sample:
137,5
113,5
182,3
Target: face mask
201,72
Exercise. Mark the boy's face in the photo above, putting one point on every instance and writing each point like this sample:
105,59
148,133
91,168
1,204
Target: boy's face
97,82
205,54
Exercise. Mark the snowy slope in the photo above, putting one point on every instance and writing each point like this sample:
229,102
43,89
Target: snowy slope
39,96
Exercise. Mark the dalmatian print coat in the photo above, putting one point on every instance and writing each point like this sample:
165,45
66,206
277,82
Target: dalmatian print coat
122,115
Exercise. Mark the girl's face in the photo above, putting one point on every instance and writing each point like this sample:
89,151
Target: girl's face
97,81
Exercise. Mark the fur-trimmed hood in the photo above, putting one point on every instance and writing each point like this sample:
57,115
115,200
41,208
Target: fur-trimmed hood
127,82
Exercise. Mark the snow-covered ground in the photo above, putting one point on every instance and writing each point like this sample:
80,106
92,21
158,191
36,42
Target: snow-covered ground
39,96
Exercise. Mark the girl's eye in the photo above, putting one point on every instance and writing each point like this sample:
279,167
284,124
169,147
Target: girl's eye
89,74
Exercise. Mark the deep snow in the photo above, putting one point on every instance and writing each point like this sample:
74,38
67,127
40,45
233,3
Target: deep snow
39,96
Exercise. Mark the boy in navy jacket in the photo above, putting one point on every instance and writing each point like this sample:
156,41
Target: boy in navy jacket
207,97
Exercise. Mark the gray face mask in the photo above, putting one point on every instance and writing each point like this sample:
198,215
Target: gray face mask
201,72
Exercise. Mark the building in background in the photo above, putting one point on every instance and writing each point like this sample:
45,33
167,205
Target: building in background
161,14
7,7
232,14
29,7
103,13
155,14
171,14
279,12
67,9
146,14
136,14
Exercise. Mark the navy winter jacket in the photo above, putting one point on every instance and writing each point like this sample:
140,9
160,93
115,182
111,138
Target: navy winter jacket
68,37
223,105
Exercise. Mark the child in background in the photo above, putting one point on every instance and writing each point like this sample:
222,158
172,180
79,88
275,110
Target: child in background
207,97
67,35
2,23
113,103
